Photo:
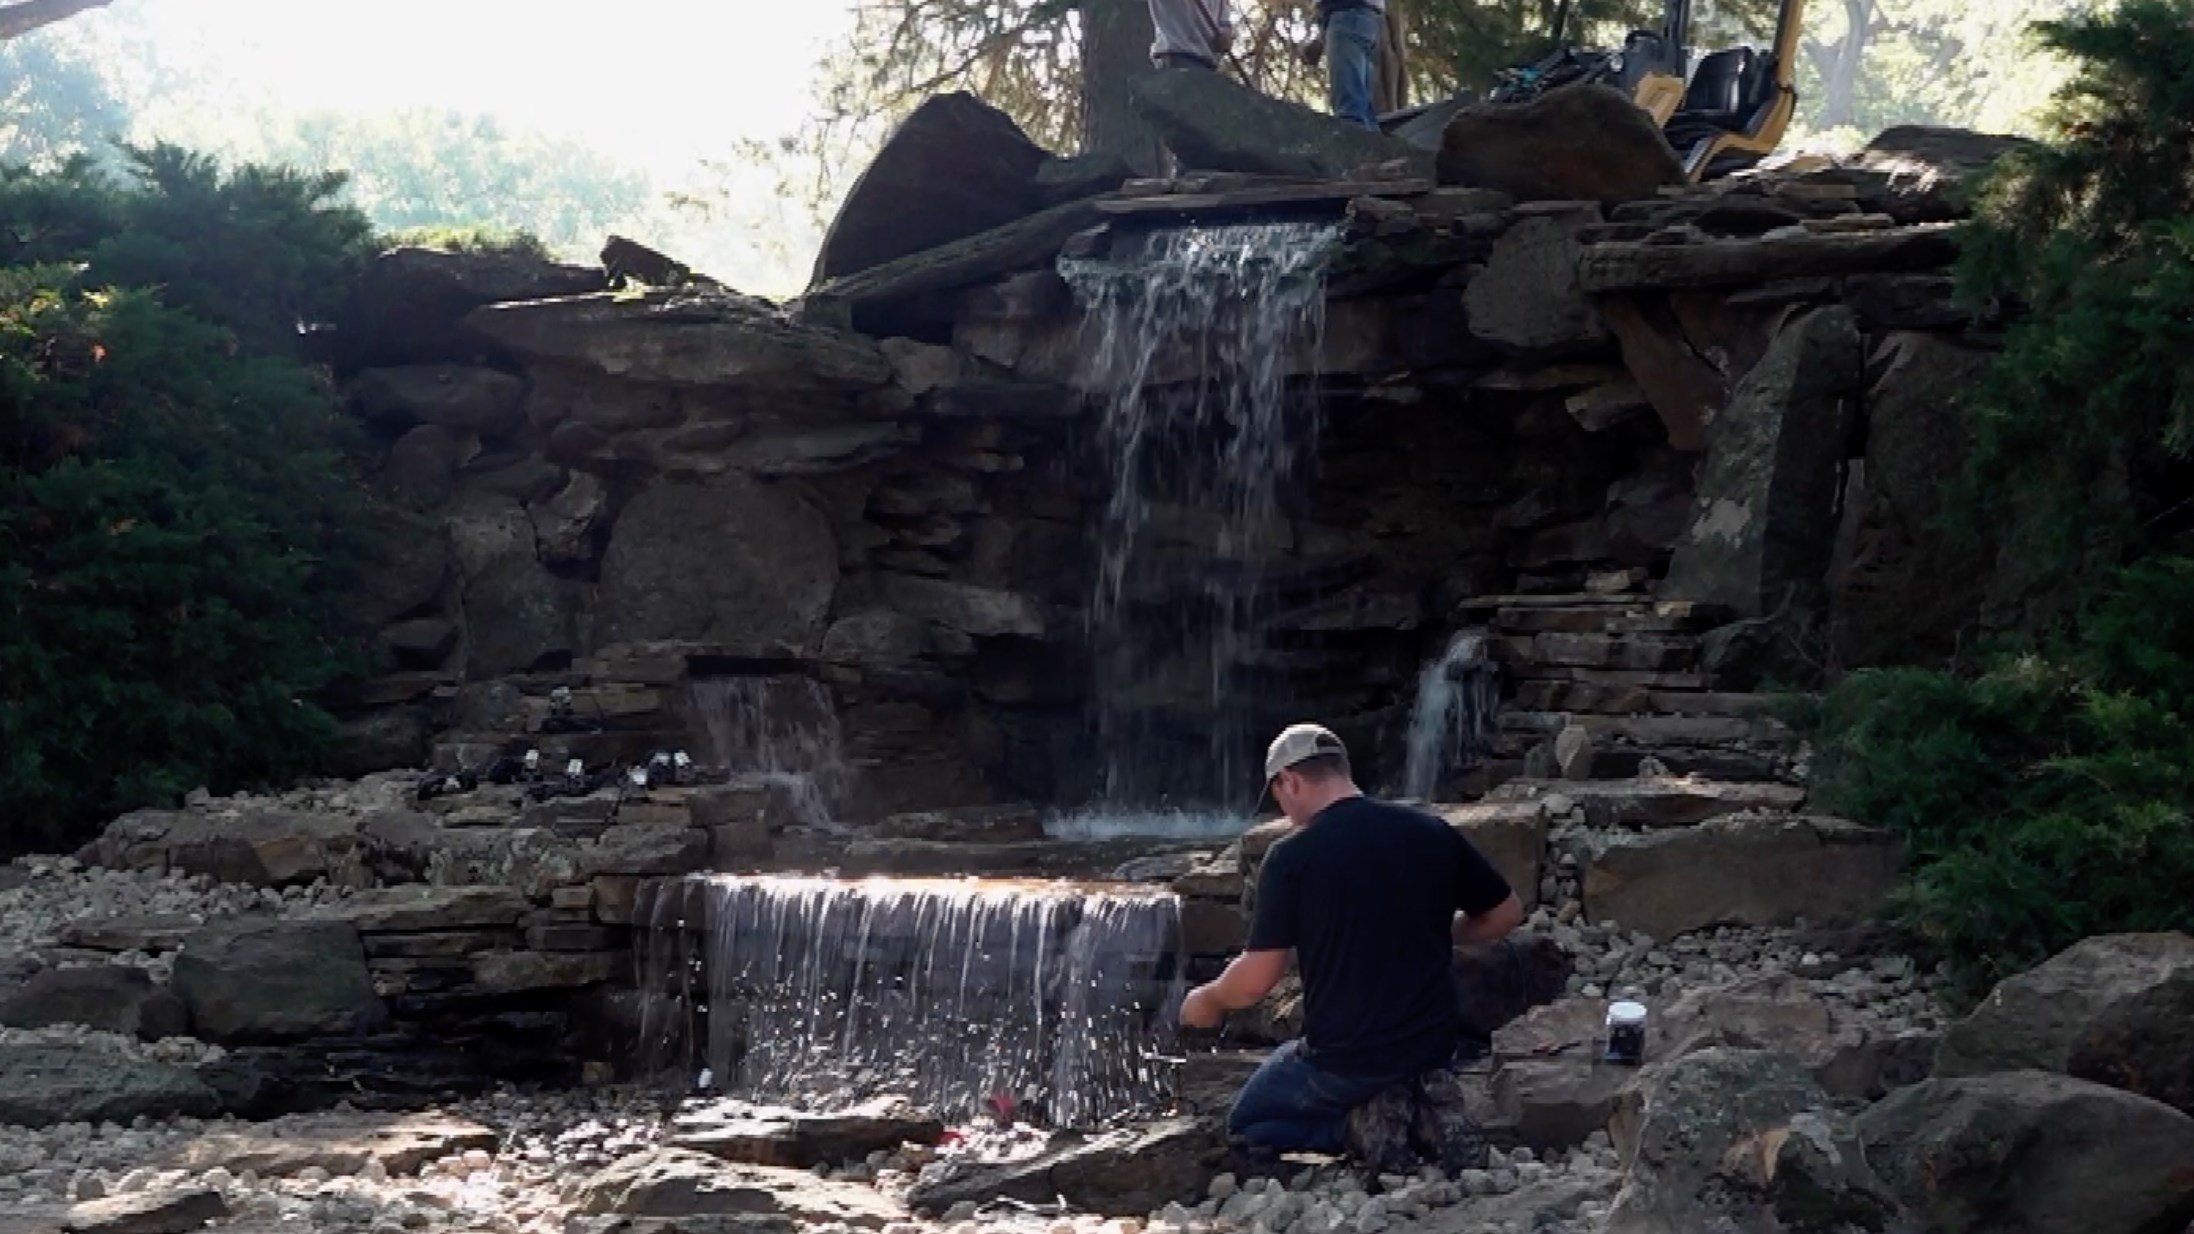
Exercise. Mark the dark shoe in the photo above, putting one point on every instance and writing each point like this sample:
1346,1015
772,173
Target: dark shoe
1378,1131
1441,1126
1246,1161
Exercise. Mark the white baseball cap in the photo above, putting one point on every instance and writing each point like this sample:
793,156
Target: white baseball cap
1299,743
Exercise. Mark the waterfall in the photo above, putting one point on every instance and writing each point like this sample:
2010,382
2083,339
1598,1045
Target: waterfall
1451,726
779,730
1192,333
824,992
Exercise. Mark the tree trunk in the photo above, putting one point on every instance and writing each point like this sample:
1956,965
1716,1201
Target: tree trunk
1116,38
21,19
1840,79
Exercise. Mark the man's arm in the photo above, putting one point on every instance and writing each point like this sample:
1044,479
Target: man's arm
1244,984
1491,925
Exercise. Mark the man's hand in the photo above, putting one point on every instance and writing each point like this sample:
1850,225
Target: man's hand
1314,51
1201,1009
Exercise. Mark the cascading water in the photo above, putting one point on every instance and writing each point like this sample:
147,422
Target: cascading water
1193,335
821,992
780,730
1451,726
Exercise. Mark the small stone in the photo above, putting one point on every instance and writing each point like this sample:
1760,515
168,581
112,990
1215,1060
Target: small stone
312,1174
218,1178
1478,1182
1504,1181
965,1210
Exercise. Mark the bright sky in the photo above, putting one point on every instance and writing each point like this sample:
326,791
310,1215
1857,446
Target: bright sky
662,81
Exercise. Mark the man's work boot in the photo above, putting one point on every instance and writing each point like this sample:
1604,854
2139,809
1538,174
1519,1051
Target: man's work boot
1378,1131
1441,1125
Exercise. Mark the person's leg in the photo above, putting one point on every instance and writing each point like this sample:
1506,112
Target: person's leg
1291,1105
1352,63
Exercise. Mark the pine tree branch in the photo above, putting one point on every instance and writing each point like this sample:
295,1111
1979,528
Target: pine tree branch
21,19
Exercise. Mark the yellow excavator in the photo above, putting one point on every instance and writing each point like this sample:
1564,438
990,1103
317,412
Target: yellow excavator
1721,115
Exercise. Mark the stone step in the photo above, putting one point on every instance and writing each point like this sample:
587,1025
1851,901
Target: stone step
1525,670
1638,619
1570,696
1655,731
1652,802
1751,869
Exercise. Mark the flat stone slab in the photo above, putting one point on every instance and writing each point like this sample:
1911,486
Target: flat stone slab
1657,801
148,1212
749,1135
151,933
420,910
678,1182
341,1144
1755,869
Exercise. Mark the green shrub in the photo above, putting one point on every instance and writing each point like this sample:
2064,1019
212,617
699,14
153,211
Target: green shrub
2084,432
2045,800
175,506
473,240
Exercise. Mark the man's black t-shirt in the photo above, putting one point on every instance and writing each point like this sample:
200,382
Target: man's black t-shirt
1366,894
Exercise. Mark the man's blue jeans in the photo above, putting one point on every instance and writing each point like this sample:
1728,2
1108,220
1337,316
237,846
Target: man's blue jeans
1353,37
1292,1105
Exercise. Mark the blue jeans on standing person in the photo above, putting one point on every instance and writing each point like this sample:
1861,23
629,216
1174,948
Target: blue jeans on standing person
1292,1105
1353,37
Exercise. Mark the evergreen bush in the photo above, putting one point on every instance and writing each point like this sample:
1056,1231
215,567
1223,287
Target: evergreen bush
176,508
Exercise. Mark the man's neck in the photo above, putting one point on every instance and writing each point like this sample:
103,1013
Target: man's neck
1322,799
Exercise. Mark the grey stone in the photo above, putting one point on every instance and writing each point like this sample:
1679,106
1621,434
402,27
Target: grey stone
422,909
2028,1152
514,972
1123,1174
1763,526
407,305
676,1182
518,617
422,642
984,612
722,341
646,850
733,560
1578,143
739,1132
340,1143
2116,1010
466,398
261,846
1212,124
1558,1103
1743,1140
43,1084
422,466
146,1212
248,981
1760,870
954,167
564,523
1526,299
110,997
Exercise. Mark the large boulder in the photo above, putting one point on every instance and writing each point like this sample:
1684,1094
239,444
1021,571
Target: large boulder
44,1083
678,1182
113,998
1743,1140
1579,143
1764,520
733,560
1212,124
2118,1010
955,166
518,617
1901,588
1754,869
260,980
2027,1152
1120,1174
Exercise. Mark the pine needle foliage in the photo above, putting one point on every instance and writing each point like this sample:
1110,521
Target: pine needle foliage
175,501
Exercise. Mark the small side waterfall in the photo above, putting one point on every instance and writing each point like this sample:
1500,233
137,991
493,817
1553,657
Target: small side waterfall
780,730
1193,333
1451,726
823,992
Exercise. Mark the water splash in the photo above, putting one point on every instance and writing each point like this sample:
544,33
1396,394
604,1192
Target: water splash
1108,824
1193,335
780,730
1452,725
822,992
